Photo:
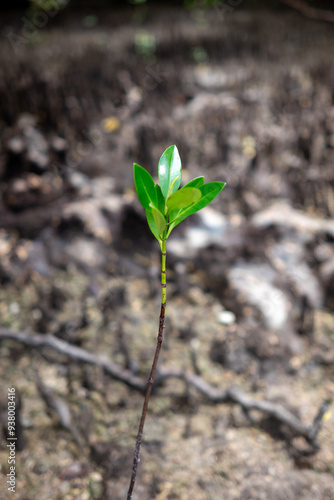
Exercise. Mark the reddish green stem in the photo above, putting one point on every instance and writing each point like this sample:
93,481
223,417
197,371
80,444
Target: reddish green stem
150,381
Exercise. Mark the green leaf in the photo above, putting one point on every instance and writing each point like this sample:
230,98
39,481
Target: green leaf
161,200
151,223
144,186
208,191
196,183
183,198
169,171
159,220
171,189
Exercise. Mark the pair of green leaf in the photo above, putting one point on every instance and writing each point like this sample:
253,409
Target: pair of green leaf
166,205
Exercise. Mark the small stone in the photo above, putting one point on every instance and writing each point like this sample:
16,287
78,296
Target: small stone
14,308
19,186
73,471
58,144
36,314
16,145
80,182
295,362
226,317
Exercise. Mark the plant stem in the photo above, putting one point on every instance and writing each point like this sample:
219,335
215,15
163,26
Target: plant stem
136,457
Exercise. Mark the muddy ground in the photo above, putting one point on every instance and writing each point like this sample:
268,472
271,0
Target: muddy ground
248,98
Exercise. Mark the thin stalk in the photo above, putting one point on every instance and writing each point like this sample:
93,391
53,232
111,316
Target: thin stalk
136,457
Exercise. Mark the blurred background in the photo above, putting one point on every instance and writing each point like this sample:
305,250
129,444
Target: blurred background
245,89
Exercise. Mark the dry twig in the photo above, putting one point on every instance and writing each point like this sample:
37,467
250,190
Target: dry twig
75,353
60,407
215,395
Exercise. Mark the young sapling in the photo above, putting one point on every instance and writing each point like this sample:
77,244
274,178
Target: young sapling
166,206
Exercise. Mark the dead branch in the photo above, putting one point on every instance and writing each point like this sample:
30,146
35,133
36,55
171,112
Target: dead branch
310,12
214,394
60,408
236,395
78,354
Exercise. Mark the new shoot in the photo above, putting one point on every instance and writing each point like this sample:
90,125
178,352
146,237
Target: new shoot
166,206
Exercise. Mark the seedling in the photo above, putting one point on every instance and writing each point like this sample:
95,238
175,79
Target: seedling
166,206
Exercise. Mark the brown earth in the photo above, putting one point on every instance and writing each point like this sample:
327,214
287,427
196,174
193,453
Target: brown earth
248,98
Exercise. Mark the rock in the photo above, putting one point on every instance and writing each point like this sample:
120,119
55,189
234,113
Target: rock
254,285
31,177
204,101
99,217
86,253
98,187
215,78
288,257
31,190
212,228
274,351
102,187
283,214
265,330
36,146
